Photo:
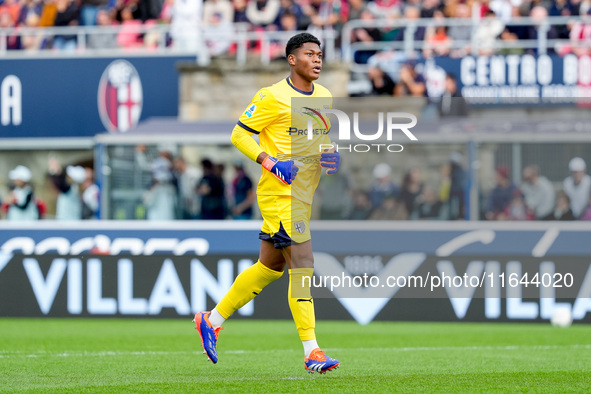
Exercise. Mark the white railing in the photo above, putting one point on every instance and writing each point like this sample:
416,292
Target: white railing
241,36
541,45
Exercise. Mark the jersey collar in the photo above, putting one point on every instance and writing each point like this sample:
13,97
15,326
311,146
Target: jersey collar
299,90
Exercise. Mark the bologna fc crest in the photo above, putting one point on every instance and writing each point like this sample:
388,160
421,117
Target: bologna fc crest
120,97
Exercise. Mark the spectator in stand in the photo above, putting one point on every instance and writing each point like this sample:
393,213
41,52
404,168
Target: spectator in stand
382,185
188,177
562,8
90,196
501,196
222,9
48,13
106,39
504,9
587,213
508,36
28,9
562,211
428,206
150,9
263,13
580,39
69,203
487,32
411,82
21,205
240,11
324,15
185,24
165,15
452,102
577,186
335,197
390,209
89,10
362,207
287,22
437,41
356,9
243,193
539,14
219,33
461,33
412,187
384,70
161,197
517,210
411,13
129,37
12,41
32,42
67,15
212,190
367,35
538,192
385,8
457,190
430,8
13,9
295,9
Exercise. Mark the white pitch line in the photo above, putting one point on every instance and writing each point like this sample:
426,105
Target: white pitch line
7,354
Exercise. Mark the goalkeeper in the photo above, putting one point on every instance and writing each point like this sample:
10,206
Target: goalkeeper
291,165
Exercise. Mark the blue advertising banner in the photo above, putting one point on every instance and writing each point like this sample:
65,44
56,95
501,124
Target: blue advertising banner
535,239
523,78
379,271
80,97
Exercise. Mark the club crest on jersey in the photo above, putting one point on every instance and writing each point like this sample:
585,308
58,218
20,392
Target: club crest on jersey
300,226
120,97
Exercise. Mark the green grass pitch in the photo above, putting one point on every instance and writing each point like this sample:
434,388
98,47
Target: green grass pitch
121,355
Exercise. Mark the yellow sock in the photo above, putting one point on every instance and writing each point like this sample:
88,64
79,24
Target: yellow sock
301,302
246,286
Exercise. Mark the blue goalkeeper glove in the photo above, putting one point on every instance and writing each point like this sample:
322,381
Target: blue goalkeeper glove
330,160
285,171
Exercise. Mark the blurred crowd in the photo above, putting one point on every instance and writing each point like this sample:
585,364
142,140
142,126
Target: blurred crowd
178,190
77,194
385,199
537,198
188,19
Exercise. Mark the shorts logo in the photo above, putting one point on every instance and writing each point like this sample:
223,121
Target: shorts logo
300,226
250,111
120,97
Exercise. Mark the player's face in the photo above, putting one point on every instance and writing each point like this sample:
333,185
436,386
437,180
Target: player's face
308,61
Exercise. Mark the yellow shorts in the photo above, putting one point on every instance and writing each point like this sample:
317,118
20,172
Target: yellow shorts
286,220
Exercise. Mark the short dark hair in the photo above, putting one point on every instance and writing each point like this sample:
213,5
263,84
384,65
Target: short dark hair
298,40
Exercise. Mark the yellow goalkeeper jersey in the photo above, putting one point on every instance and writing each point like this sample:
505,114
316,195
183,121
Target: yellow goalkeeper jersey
280,115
